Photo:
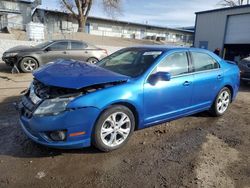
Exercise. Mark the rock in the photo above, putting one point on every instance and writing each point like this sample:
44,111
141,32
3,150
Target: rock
126,161
30,161
40,175
143,143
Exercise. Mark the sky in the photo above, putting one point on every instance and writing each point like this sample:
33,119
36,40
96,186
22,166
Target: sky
167,13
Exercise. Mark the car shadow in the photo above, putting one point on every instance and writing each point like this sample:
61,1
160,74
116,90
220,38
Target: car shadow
5,68
244,87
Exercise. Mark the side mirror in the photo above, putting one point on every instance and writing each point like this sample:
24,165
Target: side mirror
48,49
159,76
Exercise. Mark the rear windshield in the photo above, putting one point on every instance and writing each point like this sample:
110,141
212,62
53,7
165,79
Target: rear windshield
130,62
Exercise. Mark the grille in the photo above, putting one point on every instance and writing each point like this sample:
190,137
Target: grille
28,107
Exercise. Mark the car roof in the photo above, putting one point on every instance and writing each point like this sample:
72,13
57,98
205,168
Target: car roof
68,40
166,48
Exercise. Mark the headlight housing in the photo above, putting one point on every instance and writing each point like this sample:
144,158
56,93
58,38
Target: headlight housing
52,106
10,54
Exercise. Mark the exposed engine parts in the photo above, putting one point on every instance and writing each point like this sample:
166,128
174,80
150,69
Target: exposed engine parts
48,92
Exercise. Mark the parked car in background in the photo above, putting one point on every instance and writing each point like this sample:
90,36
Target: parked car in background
28,59
244,66
72,105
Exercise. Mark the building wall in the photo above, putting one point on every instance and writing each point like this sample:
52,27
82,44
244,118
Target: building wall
211,27
57,22
15,14
106,28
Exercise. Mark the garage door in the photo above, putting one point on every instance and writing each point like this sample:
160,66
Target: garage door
238,29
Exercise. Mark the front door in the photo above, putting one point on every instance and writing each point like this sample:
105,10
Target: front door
57,50
169,99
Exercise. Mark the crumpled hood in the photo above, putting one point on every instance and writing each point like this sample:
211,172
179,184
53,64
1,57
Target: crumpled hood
75,75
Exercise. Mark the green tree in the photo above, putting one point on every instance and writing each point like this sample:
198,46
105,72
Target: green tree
80,9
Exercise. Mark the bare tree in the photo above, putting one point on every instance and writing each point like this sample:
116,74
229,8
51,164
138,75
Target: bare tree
233,3
80,9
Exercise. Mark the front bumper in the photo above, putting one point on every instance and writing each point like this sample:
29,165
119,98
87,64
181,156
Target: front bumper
10,61
78,120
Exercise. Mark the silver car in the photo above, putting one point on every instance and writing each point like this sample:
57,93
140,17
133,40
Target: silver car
28,59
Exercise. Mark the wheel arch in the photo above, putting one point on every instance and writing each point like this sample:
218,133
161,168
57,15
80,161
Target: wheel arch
231,90
130,107
93,58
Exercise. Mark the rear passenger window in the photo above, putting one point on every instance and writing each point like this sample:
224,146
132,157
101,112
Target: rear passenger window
203,62
78,45
175,64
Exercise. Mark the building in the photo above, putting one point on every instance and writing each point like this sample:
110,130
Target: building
16,14
62,22
227,29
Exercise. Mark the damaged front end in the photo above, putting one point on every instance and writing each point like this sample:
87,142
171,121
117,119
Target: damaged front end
41,100
47,112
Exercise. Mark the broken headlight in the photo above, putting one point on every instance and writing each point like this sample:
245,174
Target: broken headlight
52,106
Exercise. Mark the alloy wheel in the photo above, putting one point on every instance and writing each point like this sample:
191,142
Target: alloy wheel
92,60
223,101
115,129
29,65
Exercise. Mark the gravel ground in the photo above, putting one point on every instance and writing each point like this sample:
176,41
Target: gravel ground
196,151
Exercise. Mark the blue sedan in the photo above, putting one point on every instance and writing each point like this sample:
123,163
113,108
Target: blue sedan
72,104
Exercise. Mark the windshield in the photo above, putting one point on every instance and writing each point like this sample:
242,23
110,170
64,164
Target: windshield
43,44
130,62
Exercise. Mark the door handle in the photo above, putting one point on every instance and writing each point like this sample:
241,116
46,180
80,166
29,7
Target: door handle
219,77
186,83
64,52
86,52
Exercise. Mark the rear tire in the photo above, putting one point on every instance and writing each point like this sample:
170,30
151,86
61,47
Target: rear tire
92,60
28,64
113,128
221,102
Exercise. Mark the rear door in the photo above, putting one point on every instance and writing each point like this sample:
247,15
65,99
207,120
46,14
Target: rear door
78,51
207,79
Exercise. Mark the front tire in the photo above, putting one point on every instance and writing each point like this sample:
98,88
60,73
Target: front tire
113,128
221,102
28,64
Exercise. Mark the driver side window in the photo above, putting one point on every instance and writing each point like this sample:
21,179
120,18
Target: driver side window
175,64
59,46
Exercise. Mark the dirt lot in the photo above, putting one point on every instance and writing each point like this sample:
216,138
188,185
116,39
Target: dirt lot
196,151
